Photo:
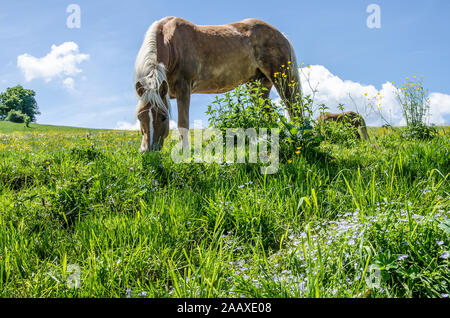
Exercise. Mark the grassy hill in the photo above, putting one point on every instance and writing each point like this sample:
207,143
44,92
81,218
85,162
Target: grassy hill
7,127
86,215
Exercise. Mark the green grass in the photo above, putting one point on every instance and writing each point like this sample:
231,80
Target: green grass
373,223
9,127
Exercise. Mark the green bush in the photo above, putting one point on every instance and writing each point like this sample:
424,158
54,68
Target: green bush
16,116
245,107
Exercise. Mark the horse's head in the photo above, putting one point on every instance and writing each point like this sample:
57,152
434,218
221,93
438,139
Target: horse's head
153,114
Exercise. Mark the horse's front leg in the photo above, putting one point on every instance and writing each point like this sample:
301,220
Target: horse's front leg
183,102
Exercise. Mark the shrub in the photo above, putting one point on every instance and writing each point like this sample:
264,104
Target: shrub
245,107
16,116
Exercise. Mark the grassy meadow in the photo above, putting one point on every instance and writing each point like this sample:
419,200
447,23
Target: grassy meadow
83,214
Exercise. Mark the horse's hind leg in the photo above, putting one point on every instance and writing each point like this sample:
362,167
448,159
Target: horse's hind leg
286,92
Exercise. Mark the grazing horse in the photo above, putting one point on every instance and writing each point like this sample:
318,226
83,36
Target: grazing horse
178,58
349,117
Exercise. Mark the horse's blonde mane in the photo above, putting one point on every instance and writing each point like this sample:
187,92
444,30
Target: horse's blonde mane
150,74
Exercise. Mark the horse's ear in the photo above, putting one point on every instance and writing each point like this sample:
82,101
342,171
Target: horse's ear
163,89
139,89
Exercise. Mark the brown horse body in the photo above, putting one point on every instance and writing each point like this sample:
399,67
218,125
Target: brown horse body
350,117
178,59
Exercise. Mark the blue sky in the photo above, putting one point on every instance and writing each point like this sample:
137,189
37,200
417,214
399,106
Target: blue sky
412,40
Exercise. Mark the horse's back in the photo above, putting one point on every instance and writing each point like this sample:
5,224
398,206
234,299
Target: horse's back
250,28
218,58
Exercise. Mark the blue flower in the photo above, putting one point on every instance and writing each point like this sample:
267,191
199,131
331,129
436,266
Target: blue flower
129,293
402,257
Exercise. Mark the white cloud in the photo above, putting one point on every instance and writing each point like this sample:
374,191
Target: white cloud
69,83
123,125
332,91
439,108
63,60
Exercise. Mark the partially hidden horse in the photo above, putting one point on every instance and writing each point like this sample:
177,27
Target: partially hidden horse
349,117
178,58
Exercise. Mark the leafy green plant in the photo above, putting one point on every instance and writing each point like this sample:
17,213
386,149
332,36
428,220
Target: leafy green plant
415,108
245,107
16,116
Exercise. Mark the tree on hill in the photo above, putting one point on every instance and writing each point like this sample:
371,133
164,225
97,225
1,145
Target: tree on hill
17,101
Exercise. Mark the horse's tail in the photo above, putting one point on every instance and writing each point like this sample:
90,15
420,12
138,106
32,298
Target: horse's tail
295,91
363,128
294,74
